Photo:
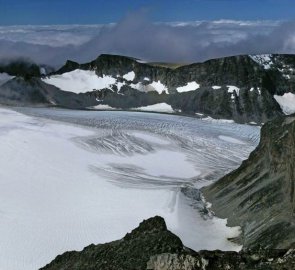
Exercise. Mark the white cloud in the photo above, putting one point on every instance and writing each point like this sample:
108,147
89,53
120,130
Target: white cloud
136,36
52,35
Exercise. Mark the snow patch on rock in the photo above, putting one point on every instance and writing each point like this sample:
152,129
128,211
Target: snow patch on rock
80,81
263,60
130,76
102,107
190,86
139,86
120,85
141,61
159,107
159,87
286,102
232,89
213,120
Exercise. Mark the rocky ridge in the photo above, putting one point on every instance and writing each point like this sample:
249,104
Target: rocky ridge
237,87
241,88
34,92
151,246
259,196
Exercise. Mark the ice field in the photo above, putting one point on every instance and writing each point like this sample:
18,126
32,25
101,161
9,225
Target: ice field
72,178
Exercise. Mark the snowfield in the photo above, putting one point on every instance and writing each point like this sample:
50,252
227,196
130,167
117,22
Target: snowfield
80,81
190,86
72,178
159,87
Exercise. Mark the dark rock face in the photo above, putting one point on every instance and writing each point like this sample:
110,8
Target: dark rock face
260,196
151,246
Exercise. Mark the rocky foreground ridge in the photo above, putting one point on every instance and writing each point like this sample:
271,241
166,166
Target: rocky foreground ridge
151,246
241,88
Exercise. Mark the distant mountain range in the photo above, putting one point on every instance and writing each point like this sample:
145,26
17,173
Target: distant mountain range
243,88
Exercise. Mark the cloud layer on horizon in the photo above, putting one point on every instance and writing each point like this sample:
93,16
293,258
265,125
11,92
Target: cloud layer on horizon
136,36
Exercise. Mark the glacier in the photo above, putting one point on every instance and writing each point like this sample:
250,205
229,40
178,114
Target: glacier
72,178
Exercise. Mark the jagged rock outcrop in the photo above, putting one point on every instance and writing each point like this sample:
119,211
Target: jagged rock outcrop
151,246
131,252
20,68
260,195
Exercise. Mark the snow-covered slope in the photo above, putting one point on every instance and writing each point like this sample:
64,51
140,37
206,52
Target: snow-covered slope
65,186
82,81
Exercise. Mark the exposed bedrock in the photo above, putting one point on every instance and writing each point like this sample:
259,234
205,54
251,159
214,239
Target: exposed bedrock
259,196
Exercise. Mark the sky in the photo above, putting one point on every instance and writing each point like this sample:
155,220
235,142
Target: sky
23,12
180,31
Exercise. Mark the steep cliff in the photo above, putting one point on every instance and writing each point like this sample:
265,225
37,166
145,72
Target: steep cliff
260,195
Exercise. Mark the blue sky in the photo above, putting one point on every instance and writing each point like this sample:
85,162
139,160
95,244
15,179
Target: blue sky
22,12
